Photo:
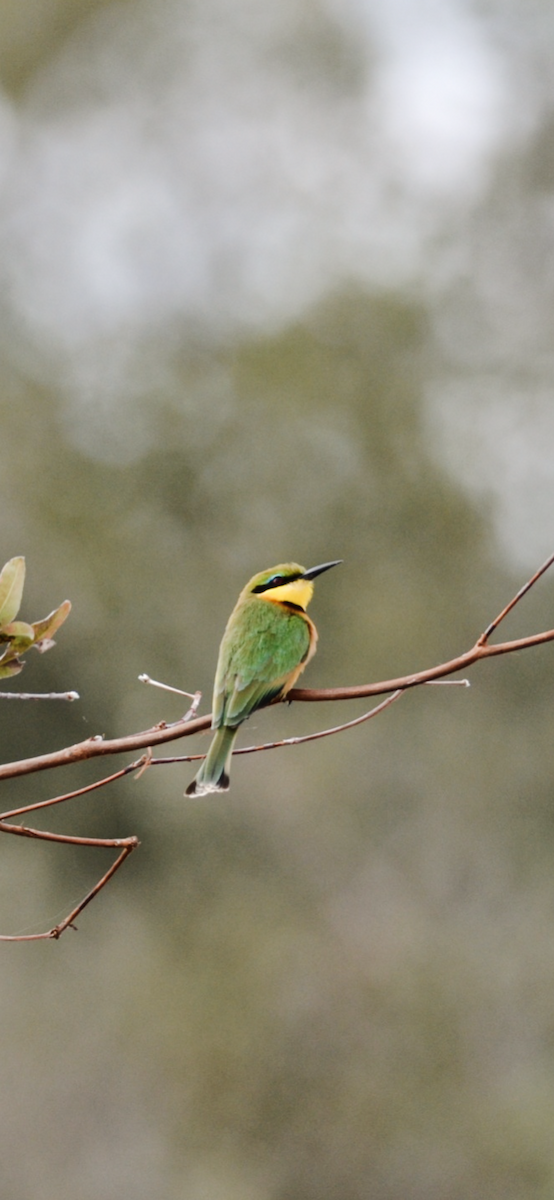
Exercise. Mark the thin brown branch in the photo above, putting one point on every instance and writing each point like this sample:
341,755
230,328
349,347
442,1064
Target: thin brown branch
515,600
128,844
292,741
44,835
82,791
321,733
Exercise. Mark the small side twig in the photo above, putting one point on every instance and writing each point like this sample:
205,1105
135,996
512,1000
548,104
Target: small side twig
515,600
39,696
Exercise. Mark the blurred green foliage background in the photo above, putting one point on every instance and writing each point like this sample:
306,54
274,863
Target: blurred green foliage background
277,284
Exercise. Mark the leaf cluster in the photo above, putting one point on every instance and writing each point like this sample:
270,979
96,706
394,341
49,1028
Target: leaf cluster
16,637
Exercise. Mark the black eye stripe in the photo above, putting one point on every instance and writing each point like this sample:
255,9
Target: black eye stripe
275,581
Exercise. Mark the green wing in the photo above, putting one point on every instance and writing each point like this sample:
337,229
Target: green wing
262,644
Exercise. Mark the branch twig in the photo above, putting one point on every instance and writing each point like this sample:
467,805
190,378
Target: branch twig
129,844
291,741
515,600
39,696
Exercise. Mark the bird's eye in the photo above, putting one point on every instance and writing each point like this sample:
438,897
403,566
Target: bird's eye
274,581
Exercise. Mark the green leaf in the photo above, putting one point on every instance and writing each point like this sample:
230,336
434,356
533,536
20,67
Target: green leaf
10,668
47,627
19,634
12,578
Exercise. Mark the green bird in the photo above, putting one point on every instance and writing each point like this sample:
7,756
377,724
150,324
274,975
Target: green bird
268,640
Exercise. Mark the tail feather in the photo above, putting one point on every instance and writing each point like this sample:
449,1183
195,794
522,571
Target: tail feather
213,775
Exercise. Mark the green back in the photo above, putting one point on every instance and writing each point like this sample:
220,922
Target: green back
262,645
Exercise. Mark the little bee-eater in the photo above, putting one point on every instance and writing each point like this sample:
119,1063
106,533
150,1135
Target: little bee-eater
268,641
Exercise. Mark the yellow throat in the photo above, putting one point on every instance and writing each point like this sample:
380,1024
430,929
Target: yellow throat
298,591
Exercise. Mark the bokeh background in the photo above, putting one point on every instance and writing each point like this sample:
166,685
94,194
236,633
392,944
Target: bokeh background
277,281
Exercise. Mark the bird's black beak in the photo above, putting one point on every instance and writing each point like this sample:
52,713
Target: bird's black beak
313,571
